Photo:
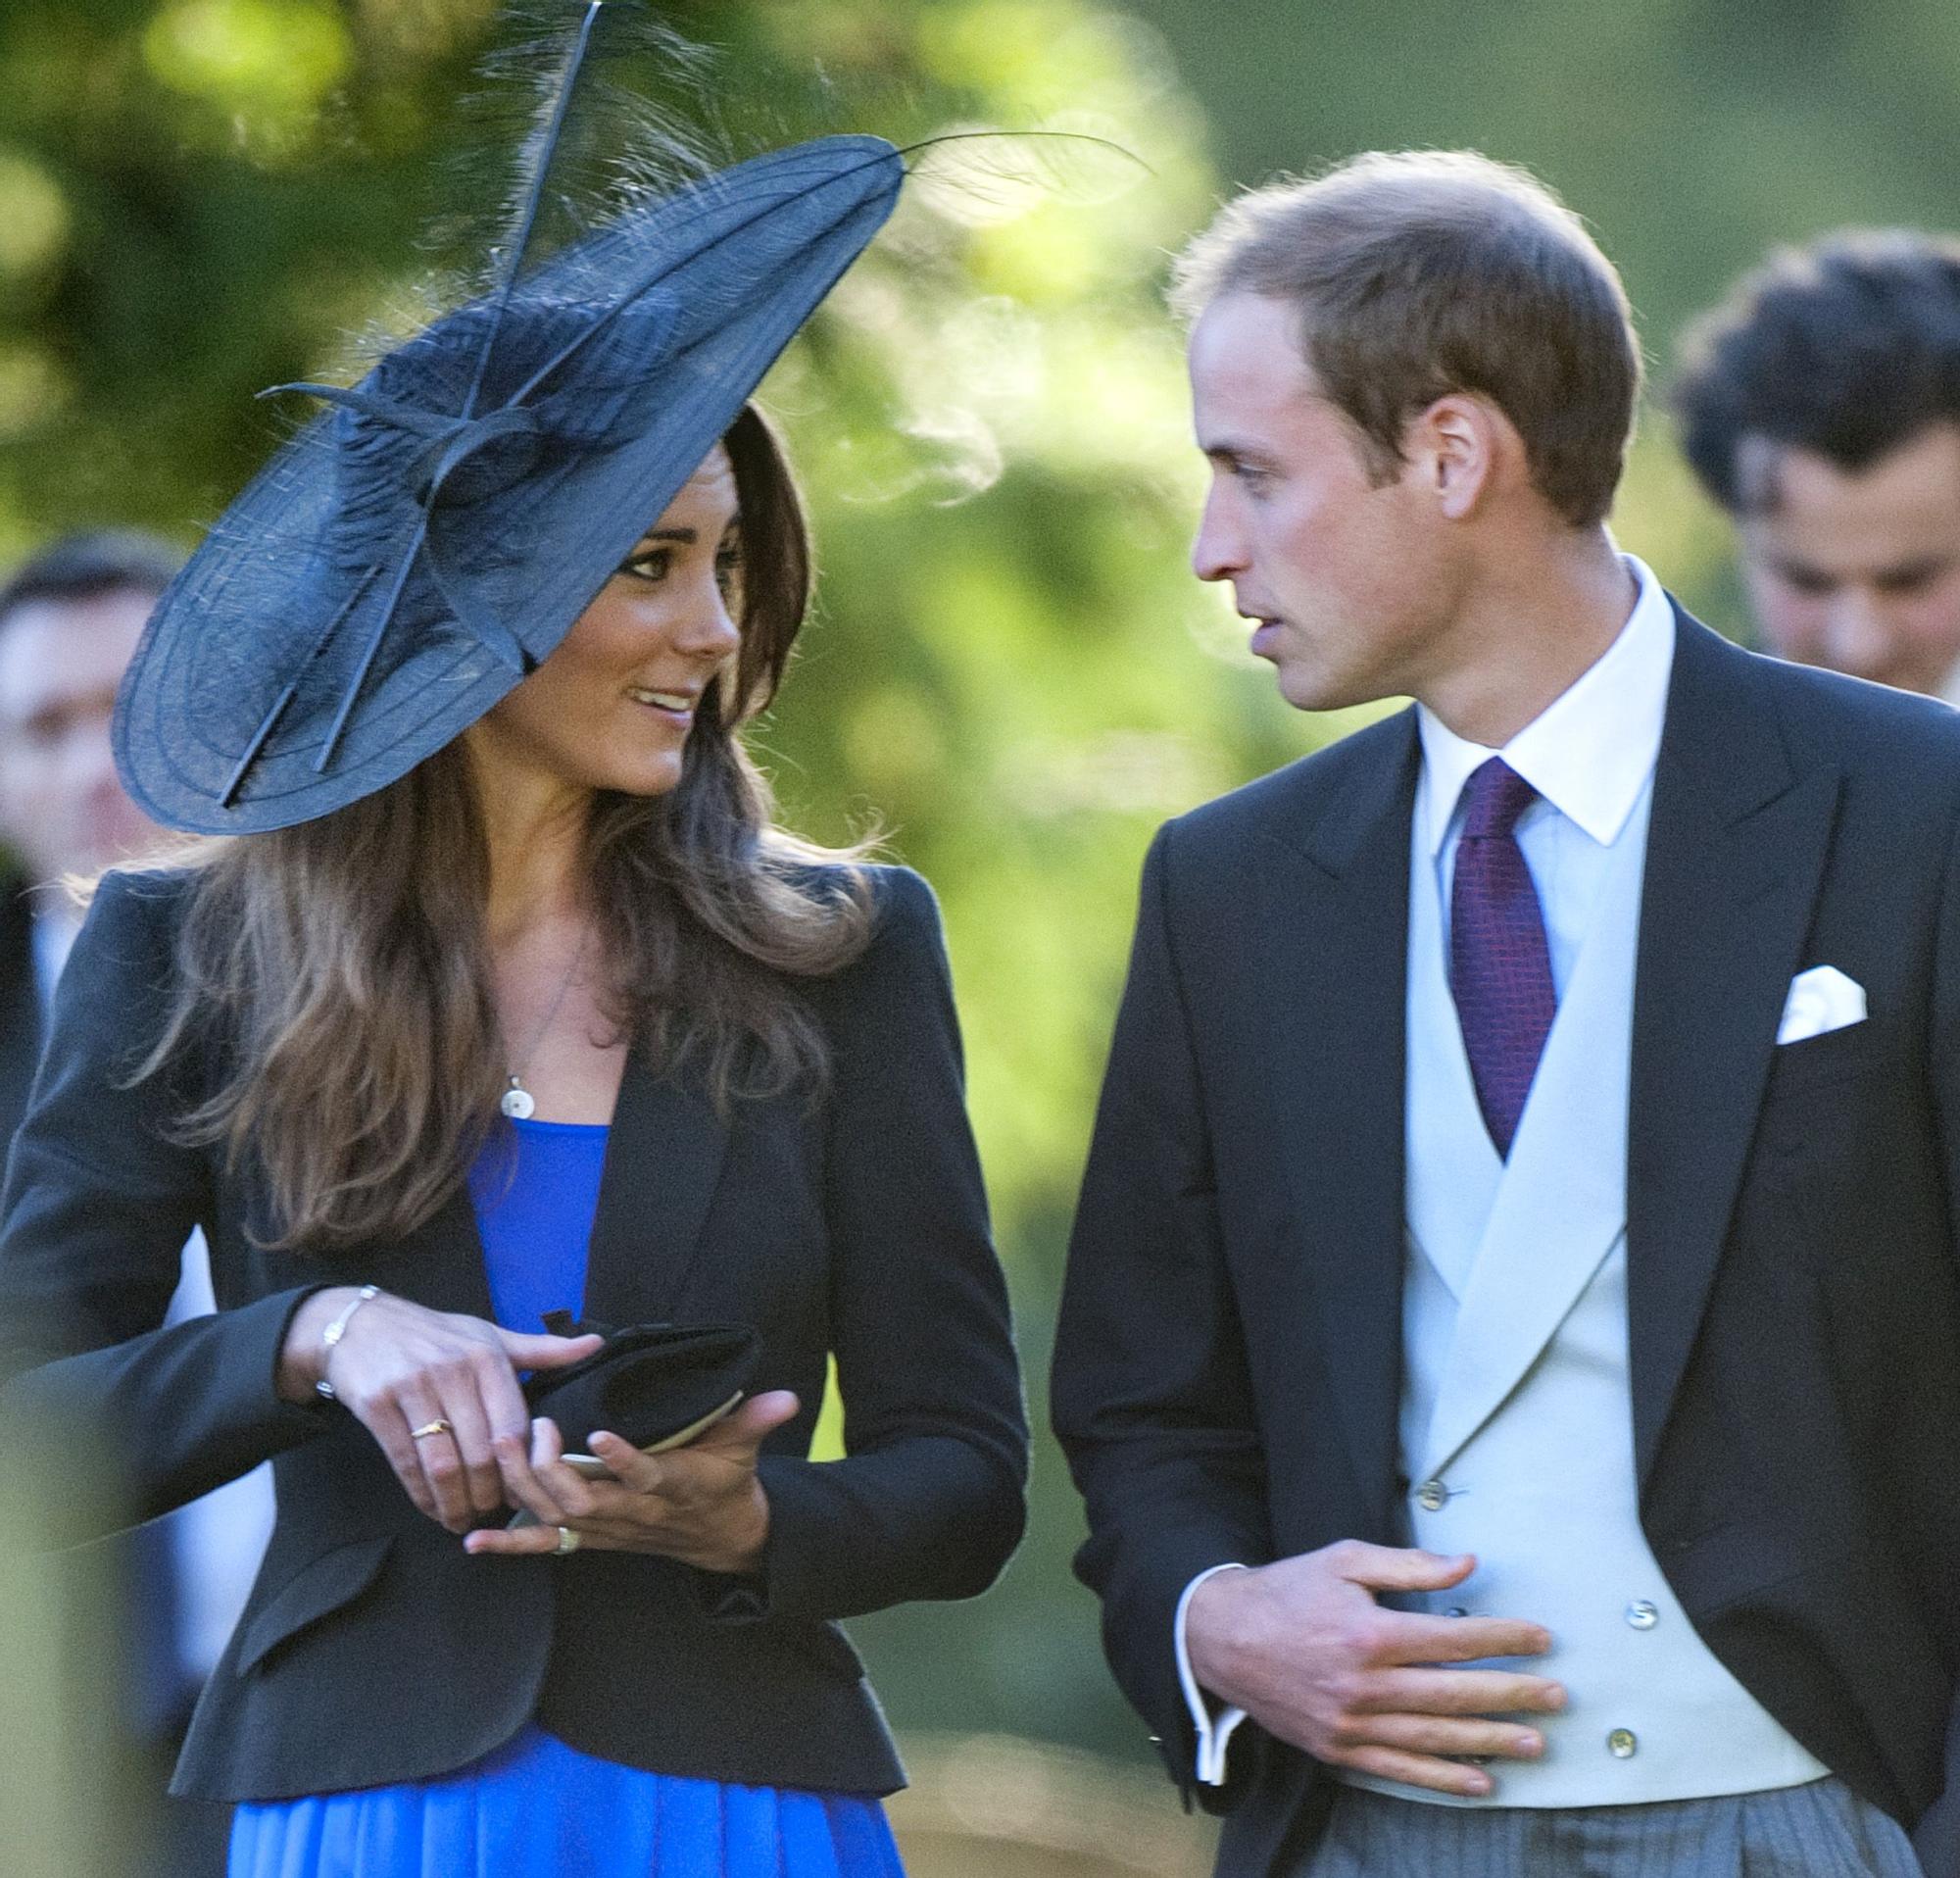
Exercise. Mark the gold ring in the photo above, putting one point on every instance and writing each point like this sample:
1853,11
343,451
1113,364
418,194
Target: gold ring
437,1427
567,1541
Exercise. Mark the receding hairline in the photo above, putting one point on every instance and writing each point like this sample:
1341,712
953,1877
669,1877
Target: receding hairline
1436,188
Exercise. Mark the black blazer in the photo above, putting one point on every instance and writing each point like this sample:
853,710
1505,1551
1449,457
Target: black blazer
19,1001
373,1649
1228,1365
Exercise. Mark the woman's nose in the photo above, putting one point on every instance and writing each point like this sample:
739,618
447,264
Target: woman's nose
710,630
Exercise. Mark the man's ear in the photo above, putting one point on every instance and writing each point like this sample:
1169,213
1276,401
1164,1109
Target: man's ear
1462,449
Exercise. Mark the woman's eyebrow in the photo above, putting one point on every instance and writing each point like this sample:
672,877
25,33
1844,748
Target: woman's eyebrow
686,536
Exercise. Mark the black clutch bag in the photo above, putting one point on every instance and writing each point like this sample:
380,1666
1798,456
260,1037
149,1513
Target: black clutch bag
654,1385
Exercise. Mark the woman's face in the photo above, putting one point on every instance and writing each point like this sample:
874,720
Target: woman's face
613,705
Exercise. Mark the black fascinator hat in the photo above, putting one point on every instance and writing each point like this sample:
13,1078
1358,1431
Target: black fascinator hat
403,563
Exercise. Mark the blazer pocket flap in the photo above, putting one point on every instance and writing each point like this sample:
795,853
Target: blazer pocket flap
334,1580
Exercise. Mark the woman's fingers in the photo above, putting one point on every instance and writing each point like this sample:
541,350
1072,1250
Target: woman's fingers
392,1423
535,1350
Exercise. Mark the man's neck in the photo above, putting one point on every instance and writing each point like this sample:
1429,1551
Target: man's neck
1528,631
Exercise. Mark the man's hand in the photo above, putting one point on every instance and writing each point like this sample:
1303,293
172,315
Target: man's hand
1303,1647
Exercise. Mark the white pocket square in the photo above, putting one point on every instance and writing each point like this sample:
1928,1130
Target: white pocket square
1820,1000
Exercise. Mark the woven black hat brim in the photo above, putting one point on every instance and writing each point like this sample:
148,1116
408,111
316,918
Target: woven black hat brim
290,593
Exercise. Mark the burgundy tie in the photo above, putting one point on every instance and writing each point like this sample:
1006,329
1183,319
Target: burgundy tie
1499,968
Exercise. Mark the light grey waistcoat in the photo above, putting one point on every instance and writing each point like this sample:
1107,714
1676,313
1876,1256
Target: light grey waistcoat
1516,1428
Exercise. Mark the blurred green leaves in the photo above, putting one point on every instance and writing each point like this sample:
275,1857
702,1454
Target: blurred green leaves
261,69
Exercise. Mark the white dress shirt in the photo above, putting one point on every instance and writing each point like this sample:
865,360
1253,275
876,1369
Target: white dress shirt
1589,755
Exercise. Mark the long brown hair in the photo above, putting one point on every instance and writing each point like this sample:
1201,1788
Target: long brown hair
342,967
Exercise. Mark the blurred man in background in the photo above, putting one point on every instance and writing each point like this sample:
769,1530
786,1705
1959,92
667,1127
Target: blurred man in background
1820,406
70,619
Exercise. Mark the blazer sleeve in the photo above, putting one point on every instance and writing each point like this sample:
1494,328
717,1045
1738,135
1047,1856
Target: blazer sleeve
1937,1837
1152,1403
97,1205
928,1500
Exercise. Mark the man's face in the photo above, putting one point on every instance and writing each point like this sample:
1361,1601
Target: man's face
1858,570
1341,572
62,809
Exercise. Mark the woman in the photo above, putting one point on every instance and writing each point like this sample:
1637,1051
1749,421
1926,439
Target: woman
729,1088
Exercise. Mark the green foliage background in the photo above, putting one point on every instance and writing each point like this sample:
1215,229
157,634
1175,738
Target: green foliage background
1012,675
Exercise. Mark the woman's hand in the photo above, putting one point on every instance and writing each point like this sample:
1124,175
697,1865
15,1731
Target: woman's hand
701,1503
400,1366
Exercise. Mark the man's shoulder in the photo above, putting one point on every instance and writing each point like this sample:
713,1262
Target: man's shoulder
1866,732
1288,804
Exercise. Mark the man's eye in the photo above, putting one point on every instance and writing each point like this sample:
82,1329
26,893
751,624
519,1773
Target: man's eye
654,564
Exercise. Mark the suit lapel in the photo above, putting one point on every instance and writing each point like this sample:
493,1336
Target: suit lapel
1734,859
662,1161
1337,931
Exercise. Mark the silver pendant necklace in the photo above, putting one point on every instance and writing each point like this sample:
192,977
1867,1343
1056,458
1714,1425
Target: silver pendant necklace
516,1101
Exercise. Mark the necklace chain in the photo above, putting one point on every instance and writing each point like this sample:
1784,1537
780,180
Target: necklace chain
516,1101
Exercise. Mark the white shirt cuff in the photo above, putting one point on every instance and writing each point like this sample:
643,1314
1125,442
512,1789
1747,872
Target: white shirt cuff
1214,1726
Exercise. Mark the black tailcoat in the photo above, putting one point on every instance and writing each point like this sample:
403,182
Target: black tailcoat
1228,1366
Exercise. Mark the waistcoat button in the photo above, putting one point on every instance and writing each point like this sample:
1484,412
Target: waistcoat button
1432,1496
1642,1616
1623,1743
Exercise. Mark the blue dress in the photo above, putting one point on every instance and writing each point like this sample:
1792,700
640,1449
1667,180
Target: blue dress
536,1805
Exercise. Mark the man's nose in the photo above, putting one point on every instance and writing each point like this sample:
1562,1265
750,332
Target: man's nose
1219,552
1857,638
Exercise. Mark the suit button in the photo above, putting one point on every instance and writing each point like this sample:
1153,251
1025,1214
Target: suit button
1642,1616
1623,1743
1432,1496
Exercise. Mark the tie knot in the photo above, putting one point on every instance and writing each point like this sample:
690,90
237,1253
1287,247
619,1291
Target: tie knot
1494,799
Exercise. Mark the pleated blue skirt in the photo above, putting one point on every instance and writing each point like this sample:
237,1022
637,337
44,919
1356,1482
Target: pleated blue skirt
542,1808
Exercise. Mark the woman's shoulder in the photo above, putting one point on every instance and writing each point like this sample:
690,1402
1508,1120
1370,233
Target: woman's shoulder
133,917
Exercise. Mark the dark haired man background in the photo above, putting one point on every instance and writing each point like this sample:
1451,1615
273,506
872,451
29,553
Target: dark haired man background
1509,1344
70,619
1820,406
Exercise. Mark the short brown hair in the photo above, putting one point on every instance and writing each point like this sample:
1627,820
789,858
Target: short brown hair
1431,272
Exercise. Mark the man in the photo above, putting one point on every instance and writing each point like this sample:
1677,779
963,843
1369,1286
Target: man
70,619
1508,1350
1820,406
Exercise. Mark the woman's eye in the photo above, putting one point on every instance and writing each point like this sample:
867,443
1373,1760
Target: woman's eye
728,571
654,564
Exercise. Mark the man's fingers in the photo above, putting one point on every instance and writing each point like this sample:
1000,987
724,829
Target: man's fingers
1419,1771
1461,1691
1452,1735
1398,1567
1418,1639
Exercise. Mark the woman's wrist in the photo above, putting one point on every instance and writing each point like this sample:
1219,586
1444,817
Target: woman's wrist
303,1355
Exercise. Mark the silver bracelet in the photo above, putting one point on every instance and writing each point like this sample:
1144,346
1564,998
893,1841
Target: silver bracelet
336,1330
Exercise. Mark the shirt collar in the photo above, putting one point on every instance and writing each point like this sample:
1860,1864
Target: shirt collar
1590,751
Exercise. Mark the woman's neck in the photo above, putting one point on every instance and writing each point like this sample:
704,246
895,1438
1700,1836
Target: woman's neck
534,830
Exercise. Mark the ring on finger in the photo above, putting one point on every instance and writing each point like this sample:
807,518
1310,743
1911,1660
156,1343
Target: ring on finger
437,1427
567,1541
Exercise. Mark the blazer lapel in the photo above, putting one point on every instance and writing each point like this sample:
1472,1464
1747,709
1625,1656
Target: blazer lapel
662,1159
1337,931
1734,858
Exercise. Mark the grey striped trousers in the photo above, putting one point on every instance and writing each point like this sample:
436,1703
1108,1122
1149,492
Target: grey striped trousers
1821,1830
